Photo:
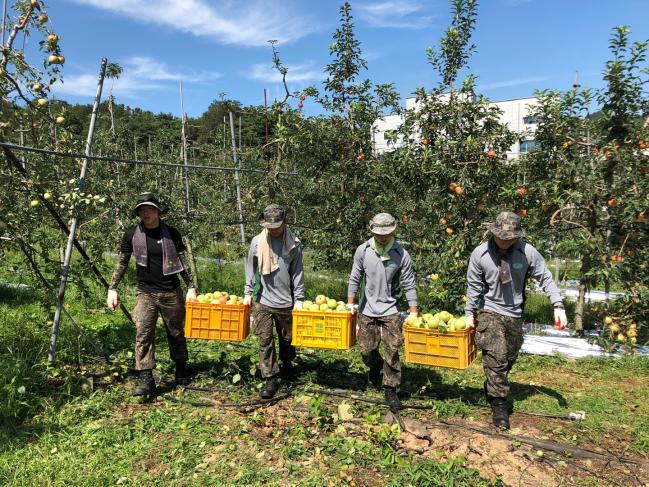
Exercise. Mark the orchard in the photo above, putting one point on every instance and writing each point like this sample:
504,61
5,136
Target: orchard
582,194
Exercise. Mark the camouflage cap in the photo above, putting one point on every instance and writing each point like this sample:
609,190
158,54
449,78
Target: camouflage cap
274,216
507,226
383,224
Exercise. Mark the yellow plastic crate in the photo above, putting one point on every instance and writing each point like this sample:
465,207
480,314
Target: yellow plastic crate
453,349
225,322
330,330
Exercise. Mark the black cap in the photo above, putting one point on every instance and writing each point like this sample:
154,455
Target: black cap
149,199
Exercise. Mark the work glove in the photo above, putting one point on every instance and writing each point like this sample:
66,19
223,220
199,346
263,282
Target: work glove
469,321
413,314
191,294
560,319
112,300
352,308
247,300
297,306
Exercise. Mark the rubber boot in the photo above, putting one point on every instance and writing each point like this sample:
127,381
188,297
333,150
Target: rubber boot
181,376
392,399
288,372
374,377
145,383
270,388
500,412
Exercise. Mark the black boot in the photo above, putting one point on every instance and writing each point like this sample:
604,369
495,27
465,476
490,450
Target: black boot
270,388
145,383
500,412
374,377
181,375
288,372
392,399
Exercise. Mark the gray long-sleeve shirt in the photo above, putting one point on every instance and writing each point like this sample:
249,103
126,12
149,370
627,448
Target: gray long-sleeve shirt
484,289
382,280
280,288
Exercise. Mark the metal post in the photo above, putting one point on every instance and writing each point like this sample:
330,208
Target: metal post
4,20
73,223
237,164
266,115
184,148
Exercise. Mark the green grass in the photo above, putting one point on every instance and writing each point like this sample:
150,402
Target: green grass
76,423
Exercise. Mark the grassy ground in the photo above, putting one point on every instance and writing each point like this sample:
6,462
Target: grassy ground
76,424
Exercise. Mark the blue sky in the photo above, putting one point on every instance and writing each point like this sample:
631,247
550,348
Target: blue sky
221,46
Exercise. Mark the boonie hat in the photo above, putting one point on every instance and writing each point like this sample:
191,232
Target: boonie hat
274,216
383,224
148,199
507,226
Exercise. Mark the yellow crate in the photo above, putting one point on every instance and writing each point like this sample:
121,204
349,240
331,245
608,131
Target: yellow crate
453,349
332,330
225,322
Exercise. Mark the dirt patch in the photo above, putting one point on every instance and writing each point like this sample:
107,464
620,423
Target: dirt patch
515,463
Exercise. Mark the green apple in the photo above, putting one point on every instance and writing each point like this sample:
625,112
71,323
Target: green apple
445,316
411,319
427,317
341,307
320,299
323,307
332,303
307,304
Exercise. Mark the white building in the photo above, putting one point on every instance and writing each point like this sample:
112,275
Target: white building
514,113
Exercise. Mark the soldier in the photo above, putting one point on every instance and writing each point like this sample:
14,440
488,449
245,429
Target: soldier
274,264
159,257
381,268
496,277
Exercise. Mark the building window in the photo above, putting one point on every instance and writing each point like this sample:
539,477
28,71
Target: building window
529,120
528,146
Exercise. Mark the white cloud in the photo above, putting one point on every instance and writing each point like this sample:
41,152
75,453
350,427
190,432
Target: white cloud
250,23
402,14
302,73
511,82
140,74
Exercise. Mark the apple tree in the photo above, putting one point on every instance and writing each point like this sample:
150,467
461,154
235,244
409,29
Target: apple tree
452,175
589,177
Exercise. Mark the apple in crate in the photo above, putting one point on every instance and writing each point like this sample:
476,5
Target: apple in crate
321,299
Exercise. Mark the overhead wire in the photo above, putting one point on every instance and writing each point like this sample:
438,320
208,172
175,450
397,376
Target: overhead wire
139,162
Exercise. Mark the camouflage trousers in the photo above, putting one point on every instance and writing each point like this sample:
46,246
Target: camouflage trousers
373,331
171,306
265,319
500,338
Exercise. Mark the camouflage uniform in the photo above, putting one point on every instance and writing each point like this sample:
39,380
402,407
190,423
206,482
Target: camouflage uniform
500,338
264,319
371,331
171,307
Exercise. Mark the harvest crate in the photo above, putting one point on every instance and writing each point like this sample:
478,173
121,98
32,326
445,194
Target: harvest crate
226,322
453,349
331,330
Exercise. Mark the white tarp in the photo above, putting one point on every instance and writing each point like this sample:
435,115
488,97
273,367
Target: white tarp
552,341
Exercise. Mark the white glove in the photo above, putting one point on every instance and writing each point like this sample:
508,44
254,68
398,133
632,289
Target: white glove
560,318
247,300
298,305
191,294
413,314
469,321
352,308
112,300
